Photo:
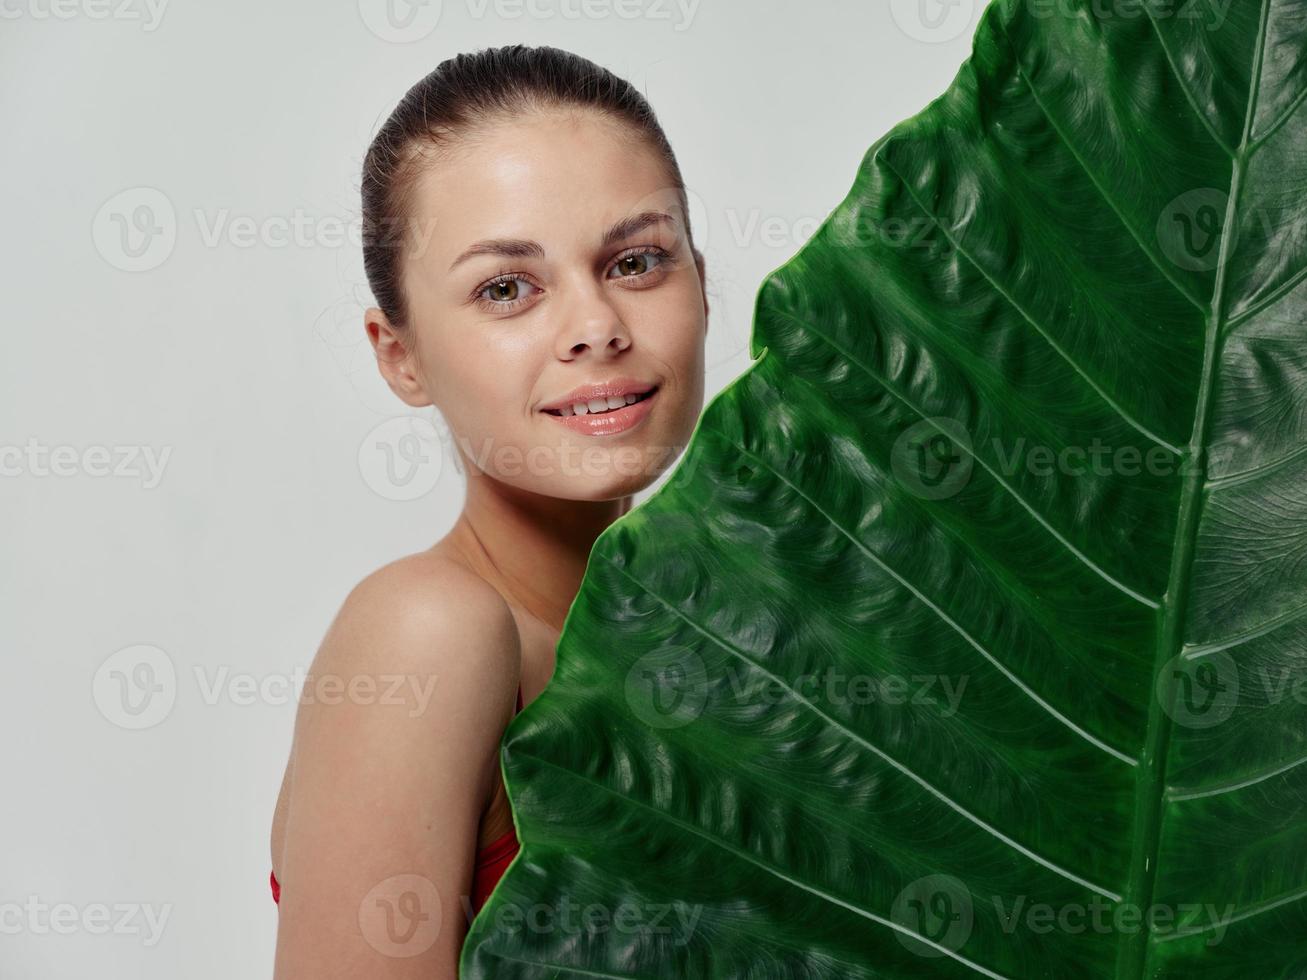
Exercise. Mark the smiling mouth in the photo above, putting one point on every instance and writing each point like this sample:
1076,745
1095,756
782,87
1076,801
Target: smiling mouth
593,407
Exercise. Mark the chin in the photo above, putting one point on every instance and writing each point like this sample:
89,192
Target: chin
606,490
605,473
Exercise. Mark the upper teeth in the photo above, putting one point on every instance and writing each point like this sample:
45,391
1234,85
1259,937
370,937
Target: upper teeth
598,405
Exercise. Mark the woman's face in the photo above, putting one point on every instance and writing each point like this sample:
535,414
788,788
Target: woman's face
552,281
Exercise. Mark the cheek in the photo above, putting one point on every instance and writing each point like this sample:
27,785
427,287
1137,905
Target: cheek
681,341
672,326
678,343
481,384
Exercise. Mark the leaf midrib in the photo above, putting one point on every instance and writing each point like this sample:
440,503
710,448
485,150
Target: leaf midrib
1150,793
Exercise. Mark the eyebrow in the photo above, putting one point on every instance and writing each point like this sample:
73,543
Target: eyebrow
521,248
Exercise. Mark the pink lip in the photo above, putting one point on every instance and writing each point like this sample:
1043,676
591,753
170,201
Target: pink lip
617,388
611,422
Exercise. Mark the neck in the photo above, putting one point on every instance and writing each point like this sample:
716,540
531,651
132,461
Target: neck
532,547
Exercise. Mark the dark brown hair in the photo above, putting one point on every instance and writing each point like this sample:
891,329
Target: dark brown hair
460,93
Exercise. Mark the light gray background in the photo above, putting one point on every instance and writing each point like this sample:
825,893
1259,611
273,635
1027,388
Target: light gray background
230,339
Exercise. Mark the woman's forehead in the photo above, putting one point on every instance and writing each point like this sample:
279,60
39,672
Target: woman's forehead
565,181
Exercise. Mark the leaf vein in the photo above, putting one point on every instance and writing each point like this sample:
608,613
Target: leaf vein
744,855
1039,518
1157,263
1039,328
869,745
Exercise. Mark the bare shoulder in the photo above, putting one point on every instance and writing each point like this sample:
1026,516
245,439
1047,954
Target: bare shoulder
427,612
428,639
393,761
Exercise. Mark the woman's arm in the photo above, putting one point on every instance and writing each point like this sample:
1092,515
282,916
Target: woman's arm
389,782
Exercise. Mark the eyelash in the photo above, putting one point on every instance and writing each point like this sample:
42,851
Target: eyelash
502,306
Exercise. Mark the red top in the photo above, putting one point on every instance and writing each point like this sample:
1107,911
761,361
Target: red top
492,861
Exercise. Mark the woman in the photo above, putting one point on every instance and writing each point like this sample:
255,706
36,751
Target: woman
528,248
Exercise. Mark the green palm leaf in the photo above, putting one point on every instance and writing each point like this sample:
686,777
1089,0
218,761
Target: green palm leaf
973,625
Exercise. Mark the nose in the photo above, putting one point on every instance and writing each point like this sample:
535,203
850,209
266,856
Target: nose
591,324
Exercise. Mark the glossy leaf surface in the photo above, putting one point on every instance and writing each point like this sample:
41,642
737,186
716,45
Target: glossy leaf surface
972,628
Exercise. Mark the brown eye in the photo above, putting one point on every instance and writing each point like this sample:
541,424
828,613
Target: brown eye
637,264
506,293
503,291
634,264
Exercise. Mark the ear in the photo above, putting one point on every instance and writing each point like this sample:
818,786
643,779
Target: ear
703,285
395,359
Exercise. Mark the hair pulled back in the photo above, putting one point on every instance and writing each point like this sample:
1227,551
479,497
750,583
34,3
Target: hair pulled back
460,93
